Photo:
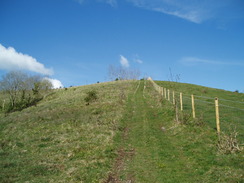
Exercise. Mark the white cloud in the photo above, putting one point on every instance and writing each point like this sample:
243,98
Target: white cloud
137,59
195,61
12,60
56,83
112,3
80,1
192,16
190,10
124,61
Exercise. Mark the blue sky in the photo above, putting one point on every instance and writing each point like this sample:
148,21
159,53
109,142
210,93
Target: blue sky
75,41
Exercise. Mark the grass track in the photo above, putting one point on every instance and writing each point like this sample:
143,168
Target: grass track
178,154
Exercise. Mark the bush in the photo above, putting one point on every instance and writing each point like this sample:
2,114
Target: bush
228,144
91,96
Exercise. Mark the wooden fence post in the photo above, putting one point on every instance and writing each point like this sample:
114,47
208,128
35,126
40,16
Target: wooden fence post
181,102
168,95
217,114
174,97
3,106
165,93
193,106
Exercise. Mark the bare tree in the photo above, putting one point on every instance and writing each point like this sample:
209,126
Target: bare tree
112,73
23,89
13,83
122,73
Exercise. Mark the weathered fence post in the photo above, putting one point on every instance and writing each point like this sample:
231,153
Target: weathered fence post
168,95
193,106
181,102
217,114
3,105
165,93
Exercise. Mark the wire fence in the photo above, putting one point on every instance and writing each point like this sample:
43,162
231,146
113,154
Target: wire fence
229,114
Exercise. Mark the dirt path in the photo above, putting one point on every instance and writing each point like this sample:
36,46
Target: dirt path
127,152
122,156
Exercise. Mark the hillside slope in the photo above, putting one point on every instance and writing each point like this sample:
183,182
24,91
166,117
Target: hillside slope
63,139
155,148
231,105
128,135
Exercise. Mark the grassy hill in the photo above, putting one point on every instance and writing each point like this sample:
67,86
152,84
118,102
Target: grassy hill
127,135
231,105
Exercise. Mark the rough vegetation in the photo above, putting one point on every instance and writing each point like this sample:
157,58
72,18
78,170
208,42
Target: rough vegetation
228,144
127,133
91,96
22,91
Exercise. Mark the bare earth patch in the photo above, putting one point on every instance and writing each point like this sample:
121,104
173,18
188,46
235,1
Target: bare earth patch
119,165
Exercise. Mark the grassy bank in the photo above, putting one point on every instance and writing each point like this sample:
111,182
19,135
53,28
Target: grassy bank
63,139
231,105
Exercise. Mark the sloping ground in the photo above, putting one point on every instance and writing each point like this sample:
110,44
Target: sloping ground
231,105
63,139
127,135
154,148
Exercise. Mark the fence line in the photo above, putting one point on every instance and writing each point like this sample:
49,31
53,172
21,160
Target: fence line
210,109
231,107
212,98
232,101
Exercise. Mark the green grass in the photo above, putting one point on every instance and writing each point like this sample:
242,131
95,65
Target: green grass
117,137
231,105
180,153
62,139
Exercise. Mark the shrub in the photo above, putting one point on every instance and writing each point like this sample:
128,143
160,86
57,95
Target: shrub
204,91
91,96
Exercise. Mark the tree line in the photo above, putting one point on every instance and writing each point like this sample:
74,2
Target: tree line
22,90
